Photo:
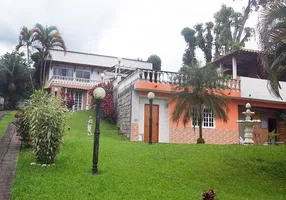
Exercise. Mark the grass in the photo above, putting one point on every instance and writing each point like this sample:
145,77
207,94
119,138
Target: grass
130,170
5,121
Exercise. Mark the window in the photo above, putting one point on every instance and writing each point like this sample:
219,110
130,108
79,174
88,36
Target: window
208,119
82,74
63,72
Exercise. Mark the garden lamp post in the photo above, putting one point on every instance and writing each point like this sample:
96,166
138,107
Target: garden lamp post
102,76
56,92
99,94
150,96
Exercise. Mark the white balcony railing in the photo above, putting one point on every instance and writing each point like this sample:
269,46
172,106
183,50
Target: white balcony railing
172,78
73,81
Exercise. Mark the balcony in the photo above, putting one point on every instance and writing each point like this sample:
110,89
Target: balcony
72,81
165,77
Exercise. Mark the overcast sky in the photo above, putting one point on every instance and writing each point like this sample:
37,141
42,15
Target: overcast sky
123,28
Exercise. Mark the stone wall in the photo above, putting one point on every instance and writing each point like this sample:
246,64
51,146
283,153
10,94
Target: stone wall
210,135
123,108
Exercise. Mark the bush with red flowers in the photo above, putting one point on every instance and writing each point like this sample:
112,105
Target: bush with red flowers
107,104
208,195
22,129
67,100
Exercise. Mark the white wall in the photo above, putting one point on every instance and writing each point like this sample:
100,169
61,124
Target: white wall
253,88
138,104
96,60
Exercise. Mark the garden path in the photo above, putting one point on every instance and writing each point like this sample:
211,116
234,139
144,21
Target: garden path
2,114
9,150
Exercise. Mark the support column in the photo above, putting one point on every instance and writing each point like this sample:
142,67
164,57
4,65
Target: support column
234,68
66,93
220,69
87,105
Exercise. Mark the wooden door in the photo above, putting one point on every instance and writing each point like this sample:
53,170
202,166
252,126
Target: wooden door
155,123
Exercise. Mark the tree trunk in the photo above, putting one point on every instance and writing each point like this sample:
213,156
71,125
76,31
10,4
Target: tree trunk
200,121
44,74
200,124
41,72
28,59
201,130
244,19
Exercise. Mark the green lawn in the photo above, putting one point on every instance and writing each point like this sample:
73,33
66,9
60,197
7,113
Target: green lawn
5,121
130,170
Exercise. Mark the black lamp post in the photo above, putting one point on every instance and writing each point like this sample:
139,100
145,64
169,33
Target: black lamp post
99,94
150,96
56,92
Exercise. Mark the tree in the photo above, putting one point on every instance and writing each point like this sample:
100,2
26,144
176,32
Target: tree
26,40
272,39
47,38
204,42
156,62
14,78
224,34
202,87
189,57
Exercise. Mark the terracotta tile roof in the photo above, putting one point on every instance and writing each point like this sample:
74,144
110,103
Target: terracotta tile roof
234,52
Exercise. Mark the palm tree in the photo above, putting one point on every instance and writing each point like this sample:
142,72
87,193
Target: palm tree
272,39
26,40
201,87
47,38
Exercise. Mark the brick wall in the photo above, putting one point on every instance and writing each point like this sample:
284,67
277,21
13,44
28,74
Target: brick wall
134,132
124,111
211,136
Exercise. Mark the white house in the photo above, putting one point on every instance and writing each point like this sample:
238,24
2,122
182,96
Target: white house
75,73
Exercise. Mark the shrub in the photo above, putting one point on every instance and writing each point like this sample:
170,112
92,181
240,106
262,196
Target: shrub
200,141
67,100
47,118
208,195
22,129
107,104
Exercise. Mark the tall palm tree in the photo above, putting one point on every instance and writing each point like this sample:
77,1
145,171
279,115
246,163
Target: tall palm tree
26,40
272,39
201,87
47,38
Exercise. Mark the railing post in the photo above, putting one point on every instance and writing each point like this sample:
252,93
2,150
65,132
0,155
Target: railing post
138,73
148,77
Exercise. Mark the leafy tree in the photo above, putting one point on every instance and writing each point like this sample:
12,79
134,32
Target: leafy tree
26,40
189,57
14,78
226,33
204,42
47,39
202,87
272,39
156,62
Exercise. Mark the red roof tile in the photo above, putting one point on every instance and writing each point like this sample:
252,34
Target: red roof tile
233,52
